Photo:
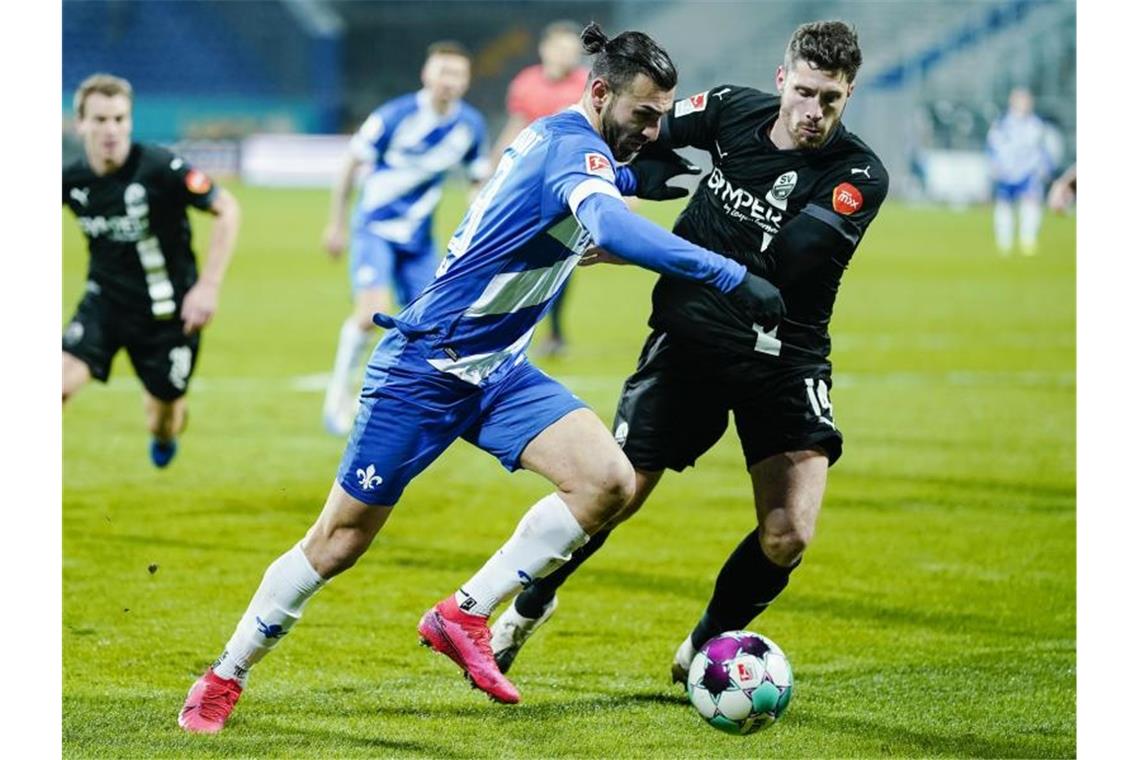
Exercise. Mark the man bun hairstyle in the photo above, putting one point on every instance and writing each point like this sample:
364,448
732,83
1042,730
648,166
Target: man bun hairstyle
826,45
622,58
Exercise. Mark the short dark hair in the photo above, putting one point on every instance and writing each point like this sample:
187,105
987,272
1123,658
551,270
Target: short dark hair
622,58
826,45
448,47
104,84
555,28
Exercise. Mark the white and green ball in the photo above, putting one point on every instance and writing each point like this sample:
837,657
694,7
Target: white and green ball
740,682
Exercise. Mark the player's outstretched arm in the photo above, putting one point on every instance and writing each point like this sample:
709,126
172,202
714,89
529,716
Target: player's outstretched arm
201,301
630,237
335,237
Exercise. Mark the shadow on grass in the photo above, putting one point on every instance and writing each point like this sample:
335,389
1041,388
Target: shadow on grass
328,721
895,740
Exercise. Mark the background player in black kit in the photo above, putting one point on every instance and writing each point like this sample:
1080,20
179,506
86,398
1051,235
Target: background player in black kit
791,194
143,290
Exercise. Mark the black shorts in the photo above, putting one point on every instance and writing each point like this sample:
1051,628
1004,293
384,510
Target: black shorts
163,357
675,406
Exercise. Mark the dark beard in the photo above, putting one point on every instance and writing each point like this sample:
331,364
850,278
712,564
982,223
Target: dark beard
614,138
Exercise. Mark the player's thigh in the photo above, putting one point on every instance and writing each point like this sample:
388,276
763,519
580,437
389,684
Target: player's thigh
76,374
415,268
668,415
371,262
788,490
164,357
578,451
407,417
90,339
369,301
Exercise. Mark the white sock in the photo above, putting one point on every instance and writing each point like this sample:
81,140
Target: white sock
545,538
1029,211
1003,225
288,583
349,351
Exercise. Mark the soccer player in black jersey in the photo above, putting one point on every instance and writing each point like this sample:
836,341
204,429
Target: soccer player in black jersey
143,291
791,194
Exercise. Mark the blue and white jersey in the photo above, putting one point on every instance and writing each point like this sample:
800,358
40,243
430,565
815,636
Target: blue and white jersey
410,149
513,252
1018,149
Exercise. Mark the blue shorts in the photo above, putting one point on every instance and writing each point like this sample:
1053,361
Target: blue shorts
376,263
410,412
1012,191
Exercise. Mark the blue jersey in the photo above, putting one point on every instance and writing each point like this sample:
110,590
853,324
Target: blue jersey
410,149
1018,149
514,250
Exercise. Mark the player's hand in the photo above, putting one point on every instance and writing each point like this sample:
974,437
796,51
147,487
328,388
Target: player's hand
654,170
334,240
759,299
1061,196
596,255
198,306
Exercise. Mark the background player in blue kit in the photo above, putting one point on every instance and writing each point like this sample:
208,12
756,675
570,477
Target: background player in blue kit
1021,161
409,144
455,366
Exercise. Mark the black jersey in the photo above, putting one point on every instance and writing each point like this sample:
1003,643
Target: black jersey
753,193
137,232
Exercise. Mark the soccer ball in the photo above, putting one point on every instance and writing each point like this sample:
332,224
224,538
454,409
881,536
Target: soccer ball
740,682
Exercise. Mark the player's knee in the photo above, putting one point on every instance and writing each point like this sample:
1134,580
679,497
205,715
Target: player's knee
333,553
786,545
616,484
364,321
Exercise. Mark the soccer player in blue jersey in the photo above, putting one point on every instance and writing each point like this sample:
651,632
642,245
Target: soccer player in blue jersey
454,366
409,145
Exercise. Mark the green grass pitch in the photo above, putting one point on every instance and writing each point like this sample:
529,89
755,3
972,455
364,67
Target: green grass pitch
934,615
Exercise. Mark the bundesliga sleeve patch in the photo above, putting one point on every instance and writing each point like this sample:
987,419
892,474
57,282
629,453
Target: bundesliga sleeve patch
599,165
197,182
846,199
691,104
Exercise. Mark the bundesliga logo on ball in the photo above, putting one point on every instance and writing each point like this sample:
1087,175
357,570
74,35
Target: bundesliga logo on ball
740,682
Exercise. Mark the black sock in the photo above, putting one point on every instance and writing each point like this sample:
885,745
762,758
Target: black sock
746,585
535,597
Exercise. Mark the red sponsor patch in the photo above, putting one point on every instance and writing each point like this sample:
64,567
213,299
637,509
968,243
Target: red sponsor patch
698,100
846,199
197,182
598,164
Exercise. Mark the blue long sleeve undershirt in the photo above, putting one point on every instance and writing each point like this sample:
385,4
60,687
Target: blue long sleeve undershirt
637,240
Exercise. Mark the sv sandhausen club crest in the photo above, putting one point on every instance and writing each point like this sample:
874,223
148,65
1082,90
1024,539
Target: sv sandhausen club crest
784,186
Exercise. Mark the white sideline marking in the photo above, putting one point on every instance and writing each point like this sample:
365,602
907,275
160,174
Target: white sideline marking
315,383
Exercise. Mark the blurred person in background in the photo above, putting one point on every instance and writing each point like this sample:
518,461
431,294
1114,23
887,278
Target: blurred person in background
541,90
144,292
1019,150
409,145
1063,191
